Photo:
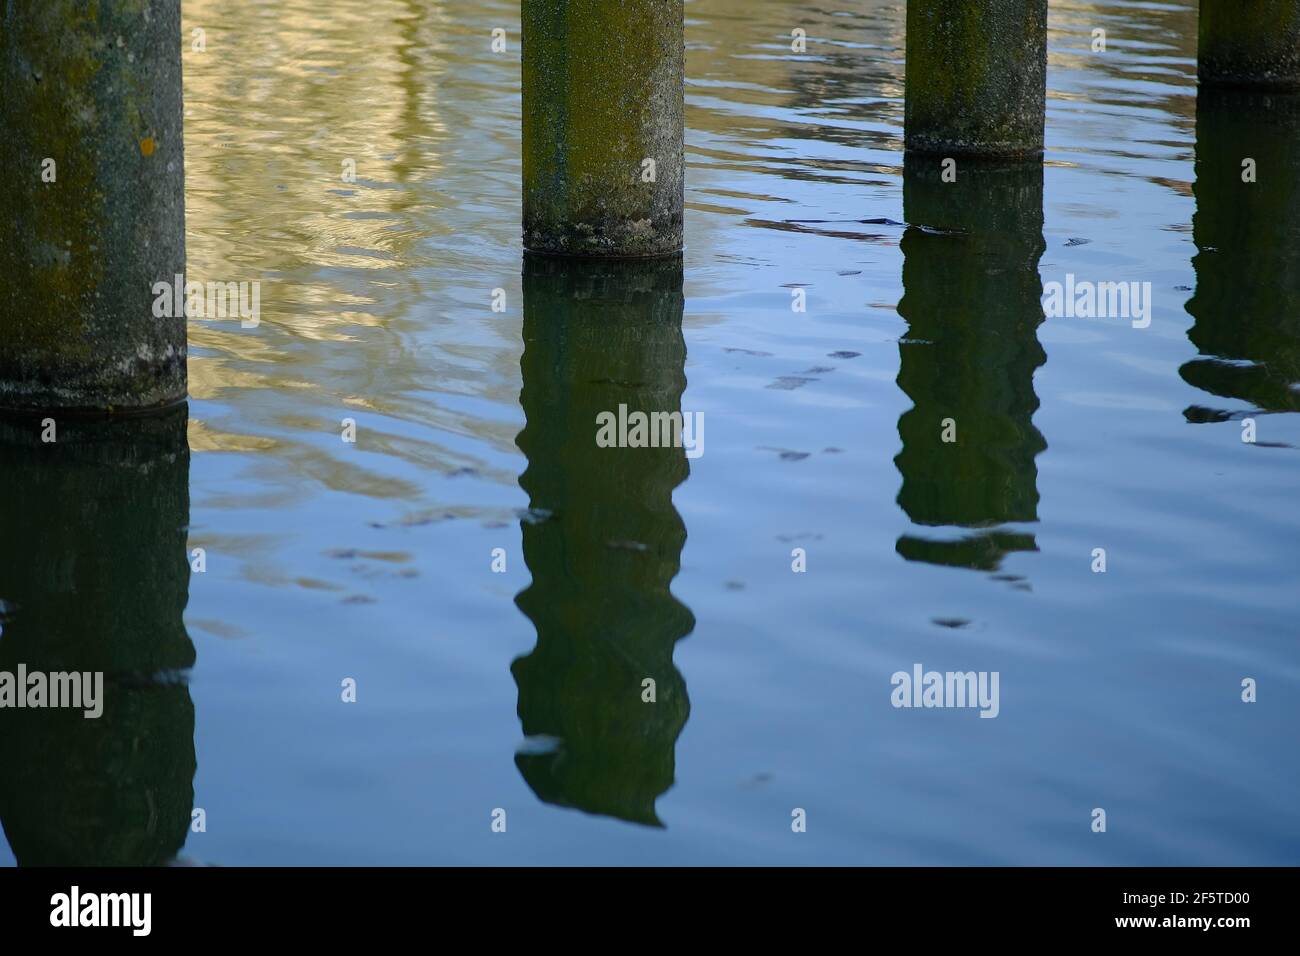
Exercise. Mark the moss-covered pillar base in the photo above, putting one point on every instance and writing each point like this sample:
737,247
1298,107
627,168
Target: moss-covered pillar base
1250,43
976,77
602,126
92,213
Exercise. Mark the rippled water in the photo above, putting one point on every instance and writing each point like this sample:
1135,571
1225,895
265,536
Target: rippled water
521,690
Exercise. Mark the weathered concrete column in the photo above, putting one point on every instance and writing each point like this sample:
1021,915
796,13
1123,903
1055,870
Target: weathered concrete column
92,213
94,579
602,126
1249,43
603,540
976,77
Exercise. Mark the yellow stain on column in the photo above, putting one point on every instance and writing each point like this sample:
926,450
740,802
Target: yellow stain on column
146,146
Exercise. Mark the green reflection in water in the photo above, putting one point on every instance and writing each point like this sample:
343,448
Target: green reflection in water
1247,301
603,541
972,301
94,577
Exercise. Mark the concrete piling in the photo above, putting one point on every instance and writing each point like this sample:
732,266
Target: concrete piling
1252,43
602,126
92,214
976,77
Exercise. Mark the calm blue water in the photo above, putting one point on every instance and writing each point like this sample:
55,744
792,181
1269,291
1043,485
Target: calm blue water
521,690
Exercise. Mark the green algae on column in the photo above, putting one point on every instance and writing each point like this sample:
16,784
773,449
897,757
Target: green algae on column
93,212
1249,43
602,126
976,77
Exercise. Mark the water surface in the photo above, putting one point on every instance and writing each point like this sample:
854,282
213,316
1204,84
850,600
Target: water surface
521,690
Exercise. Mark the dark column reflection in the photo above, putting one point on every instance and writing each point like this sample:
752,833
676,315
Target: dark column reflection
94,577
972,301
1247,301
597,335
